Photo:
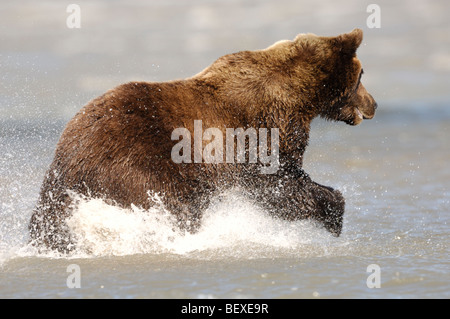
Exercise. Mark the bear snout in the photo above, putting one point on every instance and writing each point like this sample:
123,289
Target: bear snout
367,104
368,108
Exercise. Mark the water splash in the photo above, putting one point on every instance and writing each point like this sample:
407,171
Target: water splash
231,226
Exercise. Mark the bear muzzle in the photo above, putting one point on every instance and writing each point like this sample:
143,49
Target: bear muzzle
365,106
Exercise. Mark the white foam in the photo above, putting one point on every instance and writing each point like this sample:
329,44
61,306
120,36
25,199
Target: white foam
232,225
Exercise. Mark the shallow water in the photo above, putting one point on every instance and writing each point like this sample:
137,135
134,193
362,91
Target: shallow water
396,217
392,170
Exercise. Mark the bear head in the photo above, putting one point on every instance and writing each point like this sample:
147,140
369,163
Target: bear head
349,101
327,71
310,75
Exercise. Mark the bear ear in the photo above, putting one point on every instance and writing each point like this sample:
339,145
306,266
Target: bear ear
347,43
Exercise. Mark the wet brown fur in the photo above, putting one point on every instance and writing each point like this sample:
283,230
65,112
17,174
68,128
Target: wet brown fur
118,147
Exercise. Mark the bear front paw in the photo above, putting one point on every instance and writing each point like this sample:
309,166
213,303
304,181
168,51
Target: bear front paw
331,214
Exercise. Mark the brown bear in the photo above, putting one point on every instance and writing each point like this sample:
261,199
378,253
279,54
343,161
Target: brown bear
120,146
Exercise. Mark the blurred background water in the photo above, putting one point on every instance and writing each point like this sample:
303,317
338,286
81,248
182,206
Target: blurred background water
393,170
